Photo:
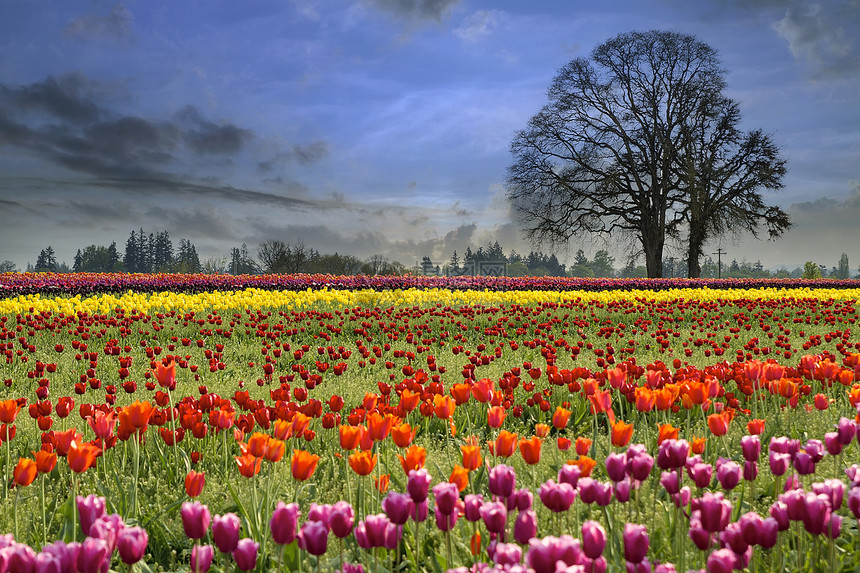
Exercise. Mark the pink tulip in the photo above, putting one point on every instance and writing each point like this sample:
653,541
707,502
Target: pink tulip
593,539
636,542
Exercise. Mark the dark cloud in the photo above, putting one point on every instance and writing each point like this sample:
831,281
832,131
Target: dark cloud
69,97
204,136
309,153
118,24
436,10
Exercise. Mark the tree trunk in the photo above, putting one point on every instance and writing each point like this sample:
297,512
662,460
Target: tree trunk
652,244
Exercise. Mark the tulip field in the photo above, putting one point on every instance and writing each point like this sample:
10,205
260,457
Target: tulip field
317,423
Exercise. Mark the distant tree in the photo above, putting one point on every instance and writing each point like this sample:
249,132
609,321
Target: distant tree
76,267
46,262
494,252
454,263
131,260
517,269
811,270
602,264
581,271
241,262
580,258
187,260
8,266
94,259
844,271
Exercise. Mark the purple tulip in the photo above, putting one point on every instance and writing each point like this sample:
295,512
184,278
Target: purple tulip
131,544
557,497
317,512
370,533
587,490
835,526
502,480
285,522
779,463
195,519
352,568
65,553
507,554
854,501
804,463
225,532
701,474
767,533
569,473
90,508
793,482
815,448
245,555
495,515
670,482
750,471
420,511
795,502
816,516
525,526
21,557
398,507
728,473
201,558
616,466
392,535
108,527
636,542
733,538
697,534
46,563
418,484
846,428
446,521
447,495
683,497
94,556
832,443
603,493
545,554
750,524
784,445
622,490
721,561
522,499
672,454
779,512
751,448
313,537
341,519
593,539
639,466
715,510
665,568
472,507
834,489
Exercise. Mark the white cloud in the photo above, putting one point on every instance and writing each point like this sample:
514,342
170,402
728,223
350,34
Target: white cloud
478,25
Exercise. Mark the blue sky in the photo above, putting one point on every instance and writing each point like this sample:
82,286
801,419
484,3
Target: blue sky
373,126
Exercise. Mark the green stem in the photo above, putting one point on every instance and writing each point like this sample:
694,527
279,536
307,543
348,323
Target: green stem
15,511
44,521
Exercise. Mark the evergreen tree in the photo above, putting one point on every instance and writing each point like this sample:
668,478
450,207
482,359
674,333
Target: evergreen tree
113,258
843,271
46,262
76,267
132,253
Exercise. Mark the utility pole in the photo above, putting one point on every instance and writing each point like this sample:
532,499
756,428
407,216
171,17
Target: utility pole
720,252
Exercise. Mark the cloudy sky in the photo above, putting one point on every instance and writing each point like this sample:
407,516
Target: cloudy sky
373,126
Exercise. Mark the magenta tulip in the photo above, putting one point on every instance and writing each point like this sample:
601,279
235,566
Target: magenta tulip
636,542
201,558
313,537
285,522
195,519
341,519
90,508
593,539
245,554
225,532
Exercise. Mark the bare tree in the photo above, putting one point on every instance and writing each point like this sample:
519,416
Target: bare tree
722,170
601,157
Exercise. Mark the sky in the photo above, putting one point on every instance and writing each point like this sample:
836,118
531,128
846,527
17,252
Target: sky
375,126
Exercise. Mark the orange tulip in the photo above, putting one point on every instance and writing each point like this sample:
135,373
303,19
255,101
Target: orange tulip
403,434
482,390
409,400
601,401
379,426
505,444
362,462
471,456
645,398
461,393
496,416
666,432
276,450
258,444
134,418
249,465
755,427
562,443
583,445
530,449
282,429
414,458
443,406
25,472
621,433
194,482
665,397
45,461
460,477
718,424
82,456
541,430
166,375
697,445
697,391
586,465
560,418
382,482
349,436
9,411
304,464
299,424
